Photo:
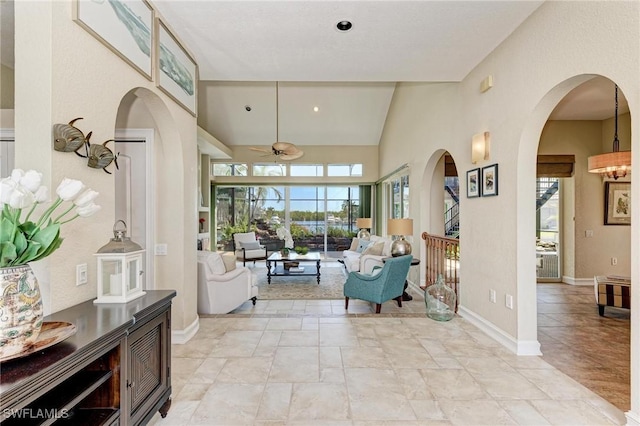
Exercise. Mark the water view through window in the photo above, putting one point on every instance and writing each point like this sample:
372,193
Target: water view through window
320,218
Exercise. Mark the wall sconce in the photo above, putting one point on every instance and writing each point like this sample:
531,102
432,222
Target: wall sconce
480,147
364,223
400,228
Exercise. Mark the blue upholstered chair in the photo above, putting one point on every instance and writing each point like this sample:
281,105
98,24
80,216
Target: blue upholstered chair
385,285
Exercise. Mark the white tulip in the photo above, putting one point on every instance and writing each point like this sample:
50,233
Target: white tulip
21,198
69,189
17,174
85,198
88,210
7,186
31,180
41,194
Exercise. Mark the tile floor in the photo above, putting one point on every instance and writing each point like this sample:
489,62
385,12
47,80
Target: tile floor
593,350
288,362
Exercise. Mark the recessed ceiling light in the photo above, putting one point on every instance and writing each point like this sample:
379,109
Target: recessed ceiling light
344,25
316,109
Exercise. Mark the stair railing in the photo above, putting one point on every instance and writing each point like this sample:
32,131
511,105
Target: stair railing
442,257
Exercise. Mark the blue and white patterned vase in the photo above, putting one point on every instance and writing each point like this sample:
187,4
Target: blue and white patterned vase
20,310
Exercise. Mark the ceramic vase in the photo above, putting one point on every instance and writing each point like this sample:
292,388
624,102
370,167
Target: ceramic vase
20,310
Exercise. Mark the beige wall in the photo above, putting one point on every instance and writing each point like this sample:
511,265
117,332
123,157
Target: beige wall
50,89
589,256
6,88
531,72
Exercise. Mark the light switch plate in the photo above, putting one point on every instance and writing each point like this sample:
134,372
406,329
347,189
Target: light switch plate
81,274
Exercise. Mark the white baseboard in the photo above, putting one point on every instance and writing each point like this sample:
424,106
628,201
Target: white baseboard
523,347
633,419
180,337
577,281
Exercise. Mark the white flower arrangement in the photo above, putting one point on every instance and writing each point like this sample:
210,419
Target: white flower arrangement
24,240
284,234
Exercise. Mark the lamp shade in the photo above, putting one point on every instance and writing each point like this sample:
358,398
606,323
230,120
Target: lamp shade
364,222
400,226
612,164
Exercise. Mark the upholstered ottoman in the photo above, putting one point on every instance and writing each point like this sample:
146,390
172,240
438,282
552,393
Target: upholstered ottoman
612,291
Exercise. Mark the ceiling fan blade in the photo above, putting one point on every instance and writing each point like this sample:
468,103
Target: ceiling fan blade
293,156
260,150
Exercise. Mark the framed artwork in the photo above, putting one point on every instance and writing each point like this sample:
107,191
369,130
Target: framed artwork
177,72
125,27
473,183
617,203
489,180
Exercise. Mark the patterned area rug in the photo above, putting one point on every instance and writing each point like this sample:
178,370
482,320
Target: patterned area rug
332,279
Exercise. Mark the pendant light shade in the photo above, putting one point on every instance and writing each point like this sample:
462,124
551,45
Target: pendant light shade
614,164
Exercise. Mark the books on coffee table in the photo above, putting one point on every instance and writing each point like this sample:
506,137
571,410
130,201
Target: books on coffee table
296,270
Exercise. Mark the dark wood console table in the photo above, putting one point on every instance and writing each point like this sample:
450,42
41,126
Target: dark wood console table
115,370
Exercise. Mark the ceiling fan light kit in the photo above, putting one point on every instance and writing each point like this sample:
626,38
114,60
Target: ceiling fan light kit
283,151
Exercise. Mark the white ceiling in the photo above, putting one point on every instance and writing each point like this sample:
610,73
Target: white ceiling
298,40
244,47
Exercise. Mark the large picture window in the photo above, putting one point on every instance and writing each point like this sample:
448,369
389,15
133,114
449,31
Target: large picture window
321,218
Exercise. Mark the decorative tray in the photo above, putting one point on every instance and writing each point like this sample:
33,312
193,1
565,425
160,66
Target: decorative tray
50,334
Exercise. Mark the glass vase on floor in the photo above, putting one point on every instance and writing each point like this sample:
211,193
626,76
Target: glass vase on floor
440,301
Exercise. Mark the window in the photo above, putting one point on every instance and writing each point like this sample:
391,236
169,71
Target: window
344,170
321,218
228,169
307,170
269,169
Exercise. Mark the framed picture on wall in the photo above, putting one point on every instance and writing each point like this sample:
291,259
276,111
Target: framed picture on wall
473,183
617,203
489,180
177,72
125,27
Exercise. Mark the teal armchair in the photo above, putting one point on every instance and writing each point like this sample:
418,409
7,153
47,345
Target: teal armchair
386,285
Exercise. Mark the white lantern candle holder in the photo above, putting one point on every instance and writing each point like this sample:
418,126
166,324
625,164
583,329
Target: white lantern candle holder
119,269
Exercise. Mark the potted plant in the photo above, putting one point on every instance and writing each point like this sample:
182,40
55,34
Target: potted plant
24,239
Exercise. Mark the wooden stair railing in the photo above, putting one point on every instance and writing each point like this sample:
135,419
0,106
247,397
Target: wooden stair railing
442,257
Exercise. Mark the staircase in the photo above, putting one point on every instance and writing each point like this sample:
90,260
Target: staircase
546,188
452,214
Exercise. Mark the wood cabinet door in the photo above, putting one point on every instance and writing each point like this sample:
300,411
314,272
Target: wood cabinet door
148,367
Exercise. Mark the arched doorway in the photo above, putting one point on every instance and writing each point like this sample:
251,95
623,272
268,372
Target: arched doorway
566,315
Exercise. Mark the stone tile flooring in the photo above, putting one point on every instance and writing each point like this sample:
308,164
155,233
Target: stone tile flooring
291,362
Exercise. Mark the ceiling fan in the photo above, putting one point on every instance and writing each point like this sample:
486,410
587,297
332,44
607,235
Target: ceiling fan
284,151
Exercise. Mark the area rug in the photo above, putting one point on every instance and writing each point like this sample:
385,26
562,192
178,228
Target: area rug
332,279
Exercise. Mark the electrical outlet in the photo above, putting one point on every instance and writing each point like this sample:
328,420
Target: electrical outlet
614,261
508,301
81,274
588,233
492,296
161,250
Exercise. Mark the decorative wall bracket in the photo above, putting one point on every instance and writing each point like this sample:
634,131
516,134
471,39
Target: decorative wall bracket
68,138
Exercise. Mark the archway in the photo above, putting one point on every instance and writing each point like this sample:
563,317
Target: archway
173,228
439,201
583,210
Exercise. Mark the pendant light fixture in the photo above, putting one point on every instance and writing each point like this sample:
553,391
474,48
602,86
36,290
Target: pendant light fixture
614,164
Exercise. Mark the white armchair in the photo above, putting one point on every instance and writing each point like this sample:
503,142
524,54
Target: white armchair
222,288
247,247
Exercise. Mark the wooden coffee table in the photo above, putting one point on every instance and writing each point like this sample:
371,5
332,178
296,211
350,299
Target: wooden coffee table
276,265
